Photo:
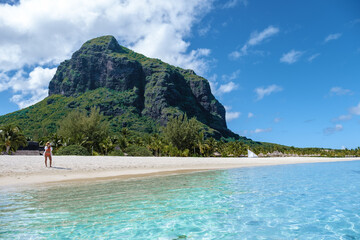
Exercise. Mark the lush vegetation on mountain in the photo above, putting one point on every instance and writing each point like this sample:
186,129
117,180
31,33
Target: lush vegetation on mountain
43,118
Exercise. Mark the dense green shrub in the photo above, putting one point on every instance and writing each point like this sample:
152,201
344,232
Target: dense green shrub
116,153
88,130
73,150
182,132
135,150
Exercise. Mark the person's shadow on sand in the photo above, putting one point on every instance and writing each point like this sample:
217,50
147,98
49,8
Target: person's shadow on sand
61,168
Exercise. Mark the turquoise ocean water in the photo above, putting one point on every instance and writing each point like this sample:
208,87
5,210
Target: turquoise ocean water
304,201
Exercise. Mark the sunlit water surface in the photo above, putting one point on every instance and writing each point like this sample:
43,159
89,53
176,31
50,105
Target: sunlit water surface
305,201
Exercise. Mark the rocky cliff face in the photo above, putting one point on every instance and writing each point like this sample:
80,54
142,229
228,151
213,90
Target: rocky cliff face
159,90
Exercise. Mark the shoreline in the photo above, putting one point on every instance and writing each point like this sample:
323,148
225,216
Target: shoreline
30,170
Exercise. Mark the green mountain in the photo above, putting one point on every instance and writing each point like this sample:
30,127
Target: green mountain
131,90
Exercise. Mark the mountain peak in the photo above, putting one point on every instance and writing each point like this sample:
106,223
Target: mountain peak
153,89
101,44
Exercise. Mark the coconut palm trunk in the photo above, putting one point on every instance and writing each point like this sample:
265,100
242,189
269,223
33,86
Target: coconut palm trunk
7,149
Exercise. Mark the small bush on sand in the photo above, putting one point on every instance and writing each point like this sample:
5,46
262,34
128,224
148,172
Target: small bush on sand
134,150
73,150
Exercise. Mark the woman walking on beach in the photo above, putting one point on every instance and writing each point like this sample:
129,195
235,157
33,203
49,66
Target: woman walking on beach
47,153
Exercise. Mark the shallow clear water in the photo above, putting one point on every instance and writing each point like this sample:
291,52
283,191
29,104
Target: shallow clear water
305,201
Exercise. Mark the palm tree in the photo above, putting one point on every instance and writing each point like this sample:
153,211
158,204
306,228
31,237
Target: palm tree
122,142
213,145
56,140
155,144
203,146
125,132
108,144
11,138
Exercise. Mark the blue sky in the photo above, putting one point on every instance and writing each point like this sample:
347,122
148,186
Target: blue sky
288,72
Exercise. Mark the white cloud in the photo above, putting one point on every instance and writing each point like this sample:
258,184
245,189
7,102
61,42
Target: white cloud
255,39
276,120
312,57
235,54
231,77
291,57
331,130
226,88
355,110
261,92
44,33
340,91
352,111
338,127
10,54
49,31
213,83
342,118
30,88
233,3
354,22
232,115
333,36
204,30
260,130
250,115
4,82
227,108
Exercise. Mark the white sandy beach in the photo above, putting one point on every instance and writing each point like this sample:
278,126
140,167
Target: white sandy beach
24,170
